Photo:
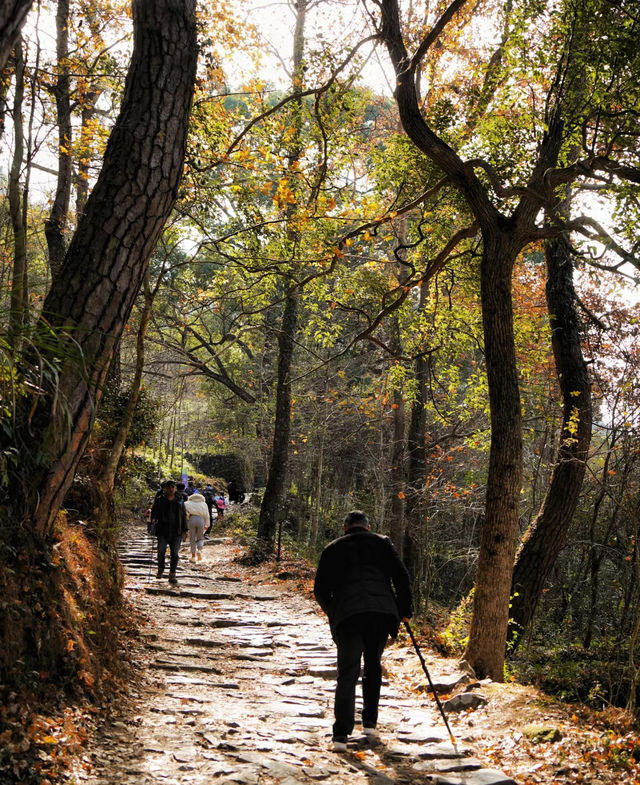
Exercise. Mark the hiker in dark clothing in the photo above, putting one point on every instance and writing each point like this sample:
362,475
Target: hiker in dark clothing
210,499
181,491
363,587
169,515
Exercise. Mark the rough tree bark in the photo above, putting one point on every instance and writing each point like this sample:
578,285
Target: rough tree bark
488,630
12,16
89,303
546,536
54,227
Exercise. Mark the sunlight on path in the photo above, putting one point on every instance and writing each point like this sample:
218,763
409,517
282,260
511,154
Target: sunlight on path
239,689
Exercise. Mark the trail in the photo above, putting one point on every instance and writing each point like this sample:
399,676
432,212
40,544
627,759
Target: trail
238,688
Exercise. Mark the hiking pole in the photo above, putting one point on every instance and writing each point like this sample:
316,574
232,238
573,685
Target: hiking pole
425,669
151,559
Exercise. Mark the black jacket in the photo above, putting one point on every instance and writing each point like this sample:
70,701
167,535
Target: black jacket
170,516
361,572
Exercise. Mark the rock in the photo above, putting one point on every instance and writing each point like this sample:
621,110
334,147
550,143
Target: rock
424,735
541,733
465,701
465,667
479,777
444,750
445,684
449,765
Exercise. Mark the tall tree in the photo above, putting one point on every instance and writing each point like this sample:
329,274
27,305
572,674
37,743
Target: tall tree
506,230
271,509
87,307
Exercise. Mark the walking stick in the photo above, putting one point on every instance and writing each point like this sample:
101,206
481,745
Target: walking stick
424,668
151,558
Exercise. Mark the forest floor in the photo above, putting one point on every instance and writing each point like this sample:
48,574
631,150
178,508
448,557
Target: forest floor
234,682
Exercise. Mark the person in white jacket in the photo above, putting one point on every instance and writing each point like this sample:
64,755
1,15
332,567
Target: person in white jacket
197,516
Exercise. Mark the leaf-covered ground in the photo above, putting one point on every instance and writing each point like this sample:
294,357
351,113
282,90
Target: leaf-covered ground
43,745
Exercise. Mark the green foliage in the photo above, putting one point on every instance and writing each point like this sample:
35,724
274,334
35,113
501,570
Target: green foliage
232,467
455,636
111,412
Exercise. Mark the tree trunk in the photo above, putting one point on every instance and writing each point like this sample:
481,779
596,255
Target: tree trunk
485,650
107,479
271,508
413,544
17,315
91,299
54,227
319,474
546,536
12,16
397,484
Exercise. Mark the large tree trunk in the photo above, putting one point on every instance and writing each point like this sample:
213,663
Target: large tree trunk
90,300
12,16
272,501
499,532
54,227
546,536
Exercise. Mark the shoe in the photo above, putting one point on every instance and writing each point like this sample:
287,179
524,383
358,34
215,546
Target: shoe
206,536
339,744
193,557
199,555
370,733
160,573
172,578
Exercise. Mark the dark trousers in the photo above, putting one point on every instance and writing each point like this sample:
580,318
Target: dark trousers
174,543
359,637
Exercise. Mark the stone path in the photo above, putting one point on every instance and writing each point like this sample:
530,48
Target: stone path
239,689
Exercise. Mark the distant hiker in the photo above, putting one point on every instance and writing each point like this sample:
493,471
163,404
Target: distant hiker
221,506
170,520
160,490
363,587
197,515
191,488
236,495
210,499
182,493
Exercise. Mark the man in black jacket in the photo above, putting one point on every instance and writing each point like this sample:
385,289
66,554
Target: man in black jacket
363,587
169,515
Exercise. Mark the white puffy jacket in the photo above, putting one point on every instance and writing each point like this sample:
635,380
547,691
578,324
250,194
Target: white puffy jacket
196,505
